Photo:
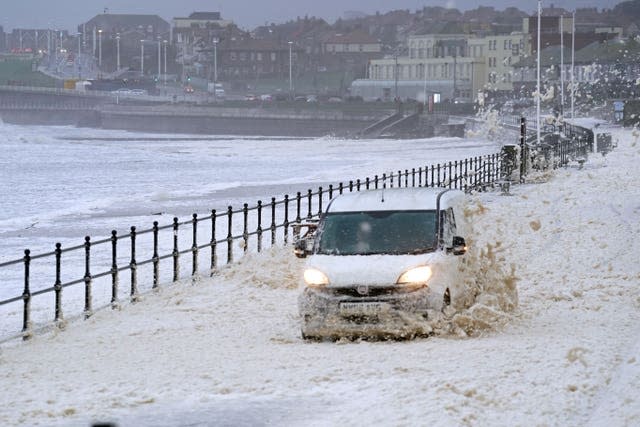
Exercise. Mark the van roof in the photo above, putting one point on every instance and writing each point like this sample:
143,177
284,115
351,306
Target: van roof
417,198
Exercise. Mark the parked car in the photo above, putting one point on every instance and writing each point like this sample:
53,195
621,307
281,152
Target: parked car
122,91
381,262
266,97
189,89
250,97
139,92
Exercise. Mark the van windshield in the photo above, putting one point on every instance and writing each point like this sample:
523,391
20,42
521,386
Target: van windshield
379,232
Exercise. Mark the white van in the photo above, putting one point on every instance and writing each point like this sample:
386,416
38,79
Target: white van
381,261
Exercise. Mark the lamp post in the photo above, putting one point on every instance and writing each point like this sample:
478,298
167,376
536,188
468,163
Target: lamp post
573,57
159,58
290,70
165,61
538,76
78,57
118,51
215,61
141,58
100,48
561,65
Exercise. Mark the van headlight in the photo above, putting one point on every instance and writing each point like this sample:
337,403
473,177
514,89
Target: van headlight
415,276
315,277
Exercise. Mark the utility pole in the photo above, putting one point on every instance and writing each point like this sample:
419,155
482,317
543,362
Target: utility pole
573,51
539,94
562,65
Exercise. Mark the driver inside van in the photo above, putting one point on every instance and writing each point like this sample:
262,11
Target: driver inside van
363,238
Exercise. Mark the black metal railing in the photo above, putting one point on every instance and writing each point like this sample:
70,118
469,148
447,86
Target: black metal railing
178,249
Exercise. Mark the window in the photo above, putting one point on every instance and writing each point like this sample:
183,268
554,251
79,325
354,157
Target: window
259,56
379,232
273,56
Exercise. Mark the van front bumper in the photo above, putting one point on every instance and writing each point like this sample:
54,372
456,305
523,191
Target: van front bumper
384,313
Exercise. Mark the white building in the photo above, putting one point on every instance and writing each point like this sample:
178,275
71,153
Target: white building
454,66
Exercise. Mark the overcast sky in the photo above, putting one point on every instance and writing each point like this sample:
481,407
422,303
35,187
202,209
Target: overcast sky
67,14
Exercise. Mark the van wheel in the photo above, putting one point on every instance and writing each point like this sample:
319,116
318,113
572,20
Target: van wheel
446,299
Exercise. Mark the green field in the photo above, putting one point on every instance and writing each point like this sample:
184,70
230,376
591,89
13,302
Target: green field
16,70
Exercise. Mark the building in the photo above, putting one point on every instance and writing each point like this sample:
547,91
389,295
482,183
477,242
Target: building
250,59
357,42
552,26
501,52
3,40
453,66
116,39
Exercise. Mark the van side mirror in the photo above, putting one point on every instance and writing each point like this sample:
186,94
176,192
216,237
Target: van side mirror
303,247
459,246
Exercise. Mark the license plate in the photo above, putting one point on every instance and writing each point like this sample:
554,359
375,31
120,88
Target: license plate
363,308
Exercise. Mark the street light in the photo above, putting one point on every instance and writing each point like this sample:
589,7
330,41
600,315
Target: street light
165,61
290,71
141,58
159,58
79,51
215,61
118,51
100,48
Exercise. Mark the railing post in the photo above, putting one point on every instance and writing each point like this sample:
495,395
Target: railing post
286,219
156,258
259,229
450,173
245,227
439,182
26,297
375,180
87,277
194,247
309,196
214,256
466,174
176,252
420,176
367,183
399,179
298,202
273,221
229,235
350,186
384,180
57,286
319,202
358,185
406,178
133,265
456,175
340,188
330,191
413,177
114,270
433,182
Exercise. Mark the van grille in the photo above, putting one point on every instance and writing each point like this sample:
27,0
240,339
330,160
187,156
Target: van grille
370,292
